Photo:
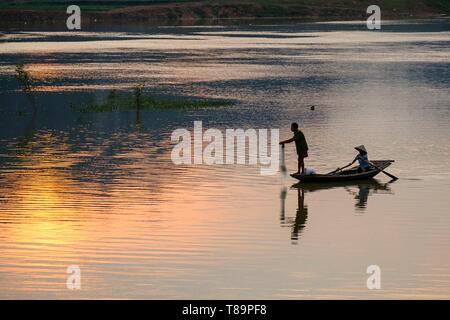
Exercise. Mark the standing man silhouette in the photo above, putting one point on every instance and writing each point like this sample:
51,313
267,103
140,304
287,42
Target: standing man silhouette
300,144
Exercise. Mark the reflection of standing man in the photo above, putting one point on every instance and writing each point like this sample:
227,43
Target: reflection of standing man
283,195
301,216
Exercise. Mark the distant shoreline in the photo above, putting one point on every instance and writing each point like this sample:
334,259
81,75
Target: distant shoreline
208,13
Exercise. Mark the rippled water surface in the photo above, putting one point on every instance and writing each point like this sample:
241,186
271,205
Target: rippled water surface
100,190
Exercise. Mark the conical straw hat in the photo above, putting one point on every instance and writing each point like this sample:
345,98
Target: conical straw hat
361,148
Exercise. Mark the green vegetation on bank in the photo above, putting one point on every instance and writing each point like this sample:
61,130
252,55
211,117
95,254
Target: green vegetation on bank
105,5
137,101
443,5
87,5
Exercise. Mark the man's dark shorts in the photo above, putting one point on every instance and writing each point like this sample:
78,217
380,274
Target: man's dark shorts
302,155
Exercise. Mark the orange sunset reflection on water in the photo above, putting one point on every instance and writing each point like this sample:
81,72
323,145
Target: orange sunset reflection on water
148,236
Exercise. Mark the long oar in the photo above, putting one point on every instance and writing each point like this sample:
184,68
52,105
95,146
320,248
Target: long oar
386,173
334,171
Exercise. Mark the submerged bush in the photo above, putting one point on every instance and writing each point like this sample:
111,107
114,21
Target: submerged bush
27,83
138,101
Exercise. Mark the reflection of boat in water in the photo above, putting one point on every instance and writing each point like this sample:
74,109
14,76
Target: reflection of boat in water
365,187
351,174
298,223
370,183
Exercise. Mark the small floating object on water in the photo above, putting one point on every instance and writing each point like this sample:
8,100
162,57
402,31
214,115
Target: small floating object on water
313,107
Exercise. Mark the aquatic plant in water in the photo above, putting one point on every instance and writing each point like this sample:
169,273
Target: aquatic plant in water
27,84
137,101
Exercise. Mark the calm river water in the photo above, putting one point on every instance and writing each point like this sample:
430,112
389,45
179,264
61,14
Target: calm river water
100,190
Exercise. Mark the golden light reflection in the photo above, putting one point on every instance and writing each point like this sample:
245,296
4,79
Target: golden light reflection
55,220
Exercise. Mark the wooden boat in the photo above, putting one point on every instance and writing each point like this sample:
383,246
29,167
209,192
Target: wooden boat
345,175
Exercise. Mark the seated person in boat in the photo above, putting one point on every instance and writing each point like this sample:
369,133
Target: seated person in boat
301,146
362,159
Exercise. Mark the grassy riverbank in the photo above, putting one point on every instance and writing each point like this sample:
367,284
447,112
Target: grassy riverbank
86,5
166,12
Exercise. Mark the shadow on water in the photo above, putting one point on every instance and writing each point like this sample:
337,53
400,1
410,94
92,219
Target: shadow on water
29,130
299,222
360,190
